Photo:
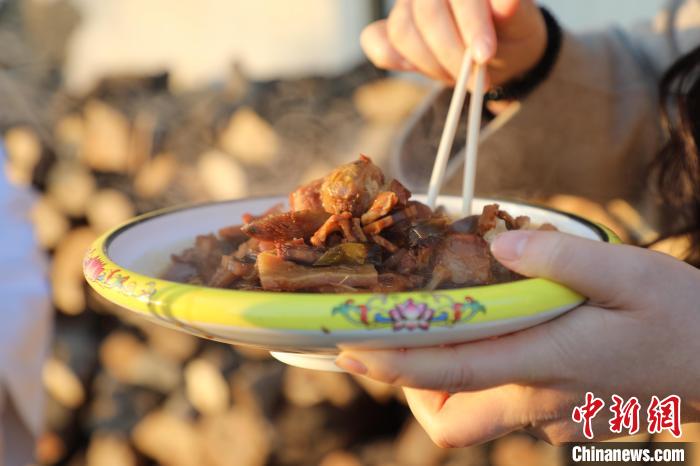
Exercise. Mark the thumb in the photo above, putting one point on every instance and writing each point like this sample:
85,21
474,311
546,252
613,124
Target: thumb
609,275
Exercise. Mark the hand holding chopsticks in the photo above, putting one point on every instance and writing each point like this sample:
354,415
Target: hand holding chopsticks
473,126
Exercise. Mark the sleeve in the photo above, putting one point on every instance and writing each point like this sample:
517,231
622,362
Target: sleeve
590,130
26,310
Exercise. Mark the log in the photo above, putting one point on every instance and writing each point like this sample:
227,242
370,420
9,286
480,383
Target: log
50,224
168,439
258,387
62,384
250,139
235,437
171,344
130,361
50,448
106,143
206,387
70,187
23,152
340,458
154,177
109,449
516,450
415,448
107,209
67,272
221,176
306,388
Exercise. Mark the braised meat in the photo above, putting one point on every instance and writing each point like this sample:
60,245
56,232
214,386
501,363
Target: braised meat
351,231
352,187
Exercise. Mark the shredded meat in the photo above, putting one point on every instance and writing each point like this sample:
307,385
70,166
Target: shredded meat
286,226
307,197
462,259
351,232
382,205
331,225
402,194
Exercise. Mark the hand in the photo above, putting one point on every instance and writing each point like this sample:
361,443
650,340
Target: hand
430,36
636,336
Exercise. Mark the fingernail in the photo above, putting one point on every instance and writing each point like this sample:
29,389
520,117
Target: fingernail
510,246
483,50
350,364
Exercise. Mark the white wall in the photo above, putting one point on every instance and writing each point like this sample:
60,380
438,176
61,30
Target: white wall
586,14
199,40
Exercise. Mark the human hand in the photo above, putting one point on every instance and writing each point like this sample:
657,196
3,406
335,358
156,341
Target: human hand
636,336
431,36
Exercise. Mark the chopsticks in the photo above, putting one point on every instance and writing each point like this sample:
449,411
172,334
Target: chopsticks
437,178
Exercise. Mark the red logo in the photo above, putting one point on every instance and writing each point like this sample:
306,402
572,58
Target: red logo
665,415
625,415
586,412
661,415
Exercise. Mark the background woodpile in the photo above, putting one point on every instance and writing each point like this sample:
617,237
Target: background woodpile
123,392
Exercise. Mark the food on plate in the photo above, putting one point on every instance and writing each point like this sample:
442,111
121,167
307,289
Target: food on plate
351,231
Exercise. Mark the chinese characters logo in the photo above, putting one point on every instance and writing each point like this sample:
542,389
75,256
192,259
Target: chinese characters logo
662,415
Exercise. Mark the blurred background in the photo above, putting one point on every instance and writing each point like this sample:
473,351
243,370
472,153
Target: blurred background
112,108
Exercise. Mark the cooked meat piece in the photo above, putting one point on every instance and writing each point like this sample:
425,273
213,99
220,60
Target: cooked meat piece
233,235
204,256
501,274
402,194
402,261
357,230
469,225
286,226
385,243
462,260
275,209
423,212
392,282
230,270
331,225
276,274
487,220
307,197
426,232
346,228
506,217
381,206
298,251
181,272
375,228
351,187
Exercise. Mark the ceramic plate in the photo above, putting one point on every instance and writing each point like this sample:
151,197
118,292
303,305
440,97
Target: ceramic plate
305,329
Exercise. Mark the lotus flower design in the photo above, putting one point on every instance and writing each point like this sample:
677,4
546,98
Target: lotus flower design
93,267
411,315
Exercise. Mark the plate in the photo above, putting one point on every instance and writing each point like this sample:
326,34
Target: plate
306,329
